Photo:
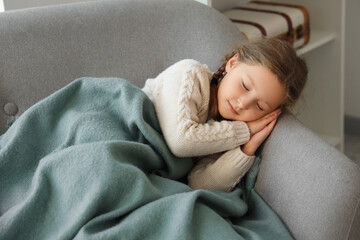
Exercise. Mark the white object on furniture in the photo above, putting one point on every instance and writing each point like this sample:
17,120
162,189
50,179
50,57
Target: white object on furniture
323,107
2,9
206,2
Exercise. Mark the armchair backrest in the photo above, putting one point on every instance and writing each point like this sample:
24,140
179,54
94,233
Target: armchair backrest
43,49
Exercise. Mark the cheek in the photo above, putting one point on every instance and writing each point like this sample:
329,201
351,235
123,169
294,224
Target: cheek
255,115
249,115
261,114
230,87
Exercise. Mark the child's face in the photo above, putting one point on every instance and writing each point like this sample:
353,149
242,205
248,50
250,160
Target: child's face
248,92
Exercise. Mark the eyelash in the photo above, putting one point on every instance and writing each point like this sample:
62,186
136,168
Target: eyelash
245,86
259,107
248,90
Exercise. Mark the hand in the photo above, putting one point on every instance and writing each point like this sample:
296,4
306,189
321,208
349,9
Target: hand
259,137
259,124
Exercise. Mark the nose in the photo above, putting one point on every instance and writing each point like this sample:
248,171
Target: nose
242,103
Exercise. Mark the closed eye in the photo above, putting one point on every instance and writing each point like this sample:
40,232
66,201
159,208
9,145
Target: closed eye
260,108
245,86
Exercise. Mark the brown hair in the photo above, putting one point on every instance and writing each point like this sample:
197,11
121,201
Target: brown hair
275,54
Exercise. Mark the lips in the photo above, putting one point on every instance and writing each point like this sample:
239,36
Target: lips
232,109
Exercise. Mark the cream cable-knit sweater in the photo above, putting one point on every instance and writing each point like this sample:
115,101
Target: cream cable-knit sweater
181,96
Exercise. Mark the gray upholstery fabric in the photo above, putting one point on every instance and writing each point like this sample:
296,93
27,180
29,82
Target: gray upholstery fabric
312,186
43,49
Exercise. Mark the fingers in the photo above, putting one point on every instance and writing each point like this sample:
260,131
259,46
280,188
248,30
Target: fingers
274,115
258,125
271,117
271,114
265,132
255,141
271,126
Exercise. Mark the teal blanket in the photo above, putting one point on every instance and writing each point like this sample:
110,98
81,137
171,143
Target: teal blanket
90,162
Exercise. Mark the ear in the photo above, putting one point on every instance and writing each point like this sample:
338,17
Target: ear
232,62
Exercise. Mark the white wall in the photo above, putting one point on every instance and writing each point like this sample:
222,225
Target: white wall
352,59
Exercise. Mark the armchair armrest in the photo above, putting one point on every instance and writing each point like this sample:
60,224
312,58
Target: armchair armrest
313,187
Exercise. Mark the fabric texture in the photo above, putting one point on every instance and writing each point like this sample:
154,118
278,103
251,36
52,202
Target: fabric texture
220,171
90,162
310,184
43,49
181,95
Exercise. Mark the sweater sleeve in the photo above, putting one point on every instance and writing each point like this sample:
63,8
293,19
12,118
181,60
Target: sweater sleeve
220,174
182,105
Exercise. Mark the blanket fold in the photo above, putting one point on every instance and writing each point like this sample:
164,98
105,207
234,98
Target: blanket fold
90,162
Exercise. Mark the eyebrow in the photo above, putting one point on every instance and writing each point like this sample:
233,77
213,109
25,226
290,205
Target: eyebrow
253,85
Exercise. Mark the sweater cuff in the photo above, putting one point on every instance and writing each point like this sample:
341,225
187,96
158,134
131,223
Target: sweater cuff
239,159
242,133
222,174
241,163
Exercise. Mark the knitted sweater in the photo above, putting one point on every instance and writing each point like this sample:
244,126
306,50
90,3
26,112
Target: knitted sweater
181,96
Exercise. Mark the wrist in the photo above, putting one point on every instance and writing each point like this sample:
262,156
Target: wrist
247,150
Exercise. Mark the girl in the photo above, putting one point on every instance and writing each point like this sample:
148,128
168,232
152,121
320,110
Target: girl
223,118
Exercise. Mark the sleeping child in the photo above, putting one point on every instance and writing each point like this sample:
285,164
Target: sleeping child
221,119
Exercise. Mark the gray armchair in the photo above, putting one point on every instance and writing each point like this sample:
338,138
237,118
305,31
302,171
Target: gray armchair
312,186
